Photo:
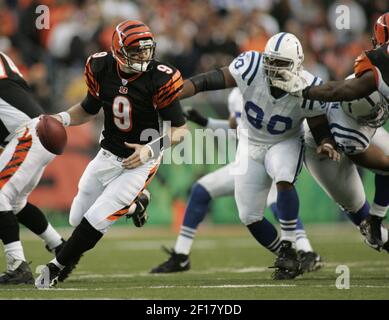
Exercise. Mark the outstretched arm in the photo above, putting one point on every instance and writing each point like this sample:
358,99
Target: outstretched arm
345,90
372,158
212,80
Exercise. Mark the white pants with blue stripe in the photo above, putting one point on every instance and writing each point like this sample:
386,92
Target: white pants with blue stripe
257,166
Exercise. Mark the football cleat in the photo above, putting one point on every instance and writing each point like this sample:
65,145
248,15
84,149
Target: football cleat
371,228
48,277
287,264
21,275
309,261
65,272
177,262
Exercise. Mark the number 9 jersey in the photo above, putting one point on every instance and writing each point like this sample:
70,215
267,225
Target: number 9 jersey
131,105
265,119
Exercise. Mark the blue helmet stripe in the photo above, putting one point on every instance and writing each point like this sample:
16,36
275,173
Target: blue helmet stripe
279,41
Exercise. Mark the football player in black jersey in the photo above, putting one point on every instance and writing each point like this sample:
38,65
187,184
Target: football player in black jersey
22,163
135,92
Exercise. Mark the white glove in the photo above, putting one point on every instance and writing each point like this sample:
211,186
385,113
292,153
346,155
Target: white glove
292,83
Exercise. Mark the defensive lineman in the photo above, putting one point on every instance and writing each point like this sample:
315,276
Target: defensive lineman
272,125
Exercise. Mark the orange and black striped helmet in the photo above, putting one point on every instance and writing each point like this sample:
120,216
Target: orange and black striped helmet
133,45
381,30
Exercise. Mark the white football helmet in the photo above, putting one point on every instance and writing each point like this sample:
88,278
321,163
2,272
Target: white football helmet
368,111
283,51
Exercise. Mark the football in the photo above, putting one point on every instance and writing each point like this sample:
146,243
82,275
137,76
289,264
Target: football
52,134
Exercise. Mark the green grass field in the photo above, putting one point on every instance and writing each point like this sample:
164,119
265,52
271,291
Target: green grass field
226,262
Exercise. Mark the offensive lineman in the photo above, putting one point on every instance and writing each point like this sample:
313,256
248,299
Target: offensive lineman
22,163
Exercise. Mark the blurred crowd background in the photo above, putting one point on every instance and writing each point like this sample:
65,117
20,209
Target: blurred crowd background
193,35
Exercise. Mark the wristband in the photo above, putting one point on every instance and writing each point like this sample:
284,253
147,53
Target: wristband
65,116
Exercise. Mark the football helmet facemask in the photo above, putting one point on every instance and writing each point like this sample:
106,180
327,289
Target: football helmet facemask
283,51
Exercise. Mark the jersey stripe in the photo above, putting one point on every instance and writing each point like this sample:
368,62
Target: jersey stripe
305,99
313,101
168,92
255,70
341,135
91,82
20,154
339,127
244,74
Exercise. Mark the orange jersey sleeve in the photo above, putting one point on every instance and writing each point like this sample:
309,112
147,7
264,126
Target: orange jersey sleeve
167,93
363,64
90,79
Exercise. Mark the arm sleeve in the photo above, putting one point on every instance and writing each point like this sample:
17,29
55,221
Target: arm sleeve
166,94
91,104
173,113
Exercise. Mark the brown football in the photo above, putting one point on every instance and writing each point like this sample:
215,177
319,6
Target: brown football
52,134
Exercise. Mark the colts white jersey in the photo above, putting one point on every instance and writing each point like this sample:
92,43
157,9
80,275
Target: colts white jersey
235,104
350,137
265,119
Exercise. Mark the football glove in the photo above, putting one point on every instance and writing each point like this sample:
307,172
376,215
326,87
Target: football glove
139,217
291,83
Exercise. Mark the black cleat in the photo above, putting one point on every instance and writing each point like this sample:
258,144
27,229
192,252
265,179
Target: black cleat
309,261
65,272
176,263
370,228
287,264
48,277
21,275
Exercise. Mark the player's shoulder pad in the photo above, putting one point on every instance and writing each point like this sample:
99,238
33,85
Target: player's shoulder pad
97,61
163,73
362,64
312,80
245,66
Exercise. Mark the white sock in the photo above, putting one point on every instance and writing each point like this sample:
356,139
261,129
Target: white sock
377,210
57,263
13,252
288,235
185,240
51,237
302,242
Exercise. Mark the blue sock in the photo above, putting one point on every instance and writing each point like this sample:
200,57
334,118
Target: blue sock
273,208
288,207
360,215
266,234
197,206
381,196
